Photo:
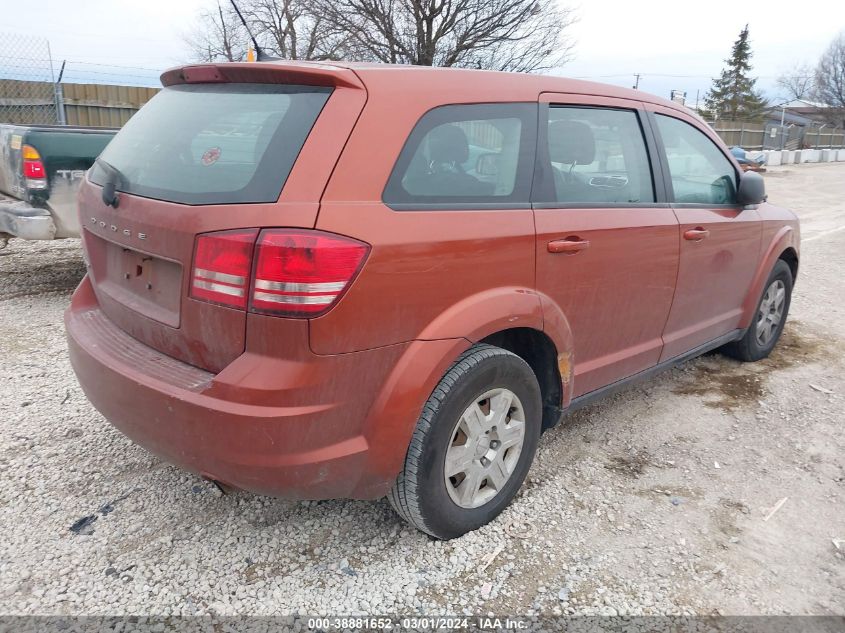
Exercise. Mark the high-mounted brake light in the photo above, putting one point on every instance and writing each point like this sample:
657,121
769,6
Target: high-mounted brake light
202,74
33,168
297,272
222,266
303,273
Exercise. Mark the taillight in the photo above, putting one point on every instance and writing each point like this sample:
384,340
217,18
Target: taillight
222,266
33,168
303,273
297,272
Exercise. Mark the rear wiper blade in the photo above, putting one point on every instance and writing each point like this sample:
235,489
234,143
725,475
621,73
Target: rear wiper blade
113,178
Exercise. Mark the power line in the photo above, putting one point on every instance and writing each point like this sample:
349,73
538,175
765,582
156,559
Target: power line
672,76
72,61
77,72
63,29
75,61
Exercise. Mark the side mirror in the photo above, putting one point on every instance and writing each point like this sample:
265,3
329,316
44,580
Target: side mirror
752,189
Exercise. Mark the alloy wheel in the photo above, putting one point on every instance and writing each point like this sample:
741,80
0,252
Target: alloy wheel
771,312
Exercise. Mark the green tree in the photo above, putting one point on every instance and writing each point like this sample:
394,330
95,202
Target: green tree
733,95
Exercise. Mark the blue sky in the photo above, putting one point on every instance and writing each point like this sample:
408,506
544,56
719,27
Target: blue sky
674,45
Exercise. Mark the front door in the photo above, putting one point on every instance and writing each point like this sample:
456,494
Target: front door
607,245
720,241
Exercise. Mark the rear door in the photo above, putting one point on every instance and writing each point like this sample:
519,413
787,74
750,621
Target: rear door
444,200
720,241
202,158
607,241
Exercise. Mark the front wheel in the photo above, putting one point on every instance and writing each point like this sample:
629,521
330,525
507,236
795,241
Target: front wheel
765,330
473,444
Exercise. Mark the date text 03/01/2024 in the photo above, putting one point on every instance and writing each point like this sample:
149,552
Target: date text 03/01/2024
420,623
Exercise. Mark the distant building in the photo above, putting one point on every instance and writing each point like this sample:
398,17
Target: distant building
801,112
797,124
800,124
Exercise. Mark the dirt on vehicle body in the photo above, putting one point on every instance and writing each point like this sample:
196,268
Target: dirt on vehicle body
305,290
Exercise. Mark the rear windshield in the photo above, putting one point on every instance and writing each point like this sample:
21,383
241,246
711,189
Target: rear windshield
213,143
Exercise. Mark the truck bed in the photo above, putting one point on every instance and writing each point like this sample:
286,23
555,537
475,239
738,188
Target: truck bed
30,209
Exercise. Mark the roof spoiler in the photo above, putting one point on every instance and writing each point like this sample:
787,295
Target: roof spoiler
281,72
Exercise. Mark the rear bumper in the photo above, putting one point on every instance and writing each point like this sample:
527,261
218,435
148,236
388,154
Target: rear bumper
292,428
21,219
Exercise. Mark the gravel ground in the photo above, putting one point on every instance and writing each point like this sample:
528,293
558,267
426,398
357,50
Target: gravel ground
652,502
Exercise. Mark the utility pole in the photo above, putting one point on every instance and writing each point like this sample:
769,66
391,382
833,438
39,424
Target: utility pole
637,83
60,96
782,129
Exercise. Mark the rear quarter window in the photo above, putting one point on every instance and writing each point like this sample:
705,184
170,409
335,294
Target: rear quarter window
214,143
466,156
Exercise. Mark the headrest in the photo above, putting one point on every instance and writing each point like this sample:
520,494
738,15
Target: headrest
571,142
448,144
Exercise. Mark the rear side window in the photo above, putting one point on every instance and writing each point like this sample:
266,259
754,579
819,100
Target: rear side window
467,156
701,174
598,156
214,143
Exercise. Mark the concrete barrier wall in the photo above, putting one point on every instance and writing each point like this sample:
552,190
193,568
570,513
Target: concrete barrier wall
773,157
796,157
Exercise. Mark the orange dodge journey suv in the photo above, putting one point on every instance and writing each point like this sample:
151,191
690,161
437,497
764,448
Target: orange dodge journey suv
341,280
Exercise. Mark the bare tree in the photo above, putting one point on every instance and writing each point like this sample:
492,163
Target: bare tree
830,80
292,30
516,35
798,83
284,28
218,36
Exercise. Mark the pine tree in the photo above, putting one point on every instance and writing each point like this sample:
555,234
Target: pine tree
733,95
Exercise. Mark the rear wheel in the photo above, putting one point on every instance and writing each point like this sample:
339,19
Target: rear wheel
765,330
473,444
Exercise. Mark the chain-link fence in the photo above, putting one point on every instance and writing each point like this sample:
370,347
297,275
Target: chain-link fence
27,80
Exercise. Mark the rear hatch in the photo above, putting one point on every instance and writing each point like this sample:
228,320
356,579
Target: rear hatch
230,149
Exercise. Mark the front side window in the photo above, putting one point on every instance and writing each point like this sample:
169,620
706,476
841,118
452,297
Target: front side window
598,156
475,155
701,174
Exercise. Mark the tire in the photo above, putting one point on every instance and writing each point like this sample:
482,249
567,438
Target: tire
422,494
750,347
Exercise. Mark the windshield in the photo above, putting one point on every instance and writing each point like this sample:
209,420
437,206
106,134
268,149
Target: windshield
213,143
